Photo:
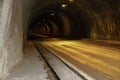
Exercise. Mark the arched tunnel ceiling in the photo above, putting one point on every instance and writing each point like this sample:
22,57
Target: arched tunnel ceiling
87,18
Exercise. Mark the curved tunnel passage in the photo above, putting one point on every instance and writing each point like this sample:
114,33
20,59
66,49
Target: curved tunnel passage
63,23
79,19
71,19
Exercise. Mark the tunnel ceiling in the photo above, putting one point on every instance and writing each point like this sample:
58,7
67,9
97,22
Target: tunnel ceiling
85,18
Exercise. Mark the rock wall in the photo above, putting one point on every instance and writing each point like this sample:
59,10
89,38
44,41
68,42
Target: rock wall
102,18
14,16
11,37
105,21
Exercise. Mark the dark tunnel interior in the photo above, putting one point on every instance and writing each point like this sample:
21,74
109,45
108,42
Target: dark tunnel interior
84,32
93,19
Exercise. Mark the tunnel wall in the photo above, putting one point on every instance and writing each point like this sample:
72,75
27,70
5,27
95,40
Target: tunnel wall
105,26
11,37
102,18
14,16
93,19
66,25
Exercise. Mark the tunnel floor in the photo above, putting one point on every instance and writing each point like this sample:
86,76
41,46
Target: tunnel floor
34,66
31,67
64,59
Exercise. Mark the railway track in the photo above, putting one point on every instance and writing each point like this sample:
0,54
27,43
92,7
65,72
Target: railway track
56,68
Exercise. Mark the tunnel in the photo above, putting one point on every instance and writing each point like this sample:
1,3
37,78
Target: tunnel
78,19
24,20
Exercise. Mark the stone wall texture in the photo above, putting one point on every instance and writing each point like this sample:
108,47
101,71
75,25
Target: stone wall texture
13,20
11,36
